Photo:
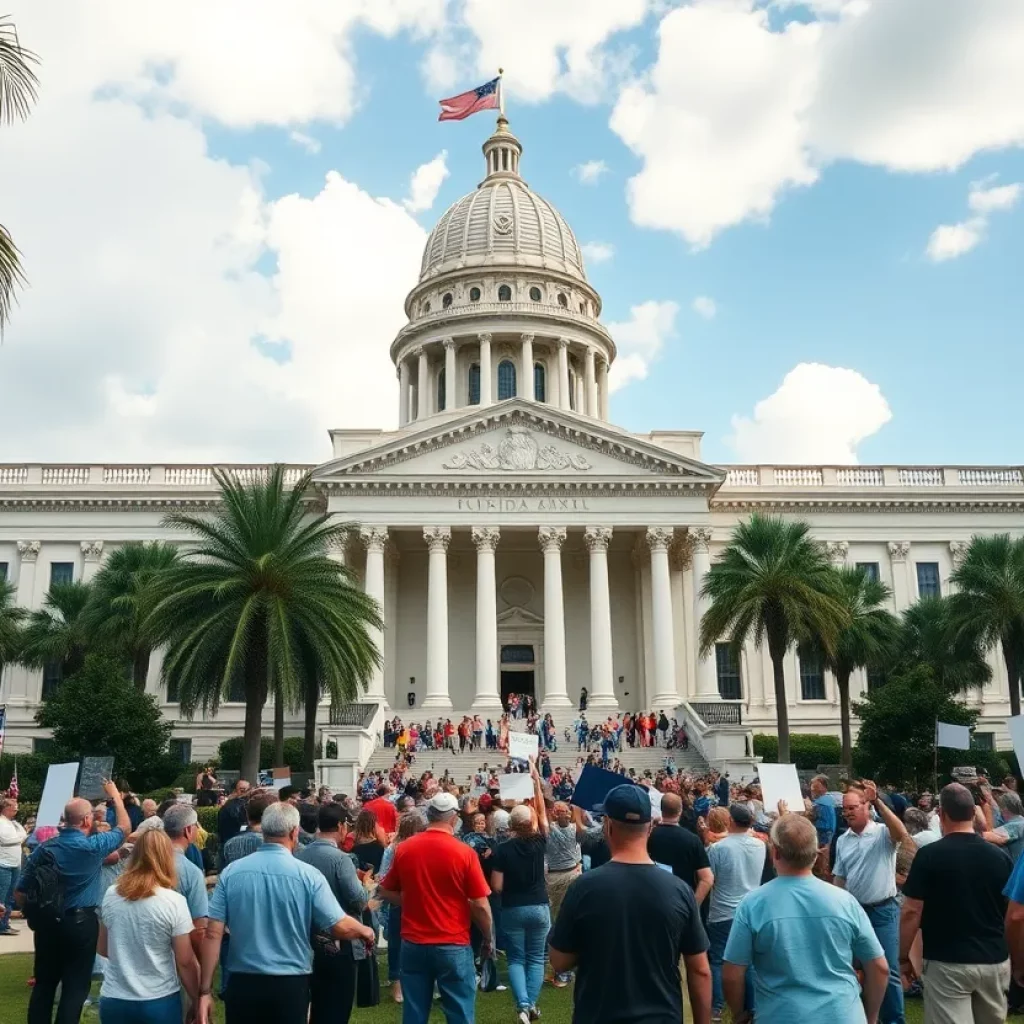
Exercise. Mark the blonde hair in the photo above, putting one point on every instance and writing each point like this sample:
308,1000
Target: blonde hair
521,820
718,819
150,867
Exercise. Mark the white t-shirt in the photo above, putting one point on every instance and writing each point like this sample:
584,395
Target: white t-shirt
12,835
140,948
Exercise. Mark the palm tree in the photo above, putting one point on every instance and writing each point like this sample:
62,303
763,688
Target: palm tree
259,601
773,584
18,84
989,602
11,619
122,595
956,658
870,635
57,632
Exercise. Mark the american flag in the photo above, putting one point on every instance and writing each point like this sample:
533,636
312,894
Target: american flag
483,97
12,790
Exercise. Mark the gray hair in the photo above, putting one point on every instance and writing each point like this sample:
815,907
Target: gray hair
178,818
433,815
280,820
795,839
916,820
1010,803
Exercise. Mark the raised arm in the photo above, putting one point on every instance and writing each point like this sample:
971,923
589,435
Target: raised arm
123,822
897,831
538,799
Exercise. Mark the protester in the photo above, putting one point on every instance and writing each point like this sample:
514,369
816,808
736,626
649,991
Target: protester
251,839
271,901
801,935
822,812
145,935
1010,834
383,809
680,849
12,837
65,946
919,828
624,926
954,896
409,825
180,825
231,818
438,883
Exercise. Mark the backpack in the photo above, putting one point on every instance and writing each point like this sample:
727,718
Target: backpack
44,891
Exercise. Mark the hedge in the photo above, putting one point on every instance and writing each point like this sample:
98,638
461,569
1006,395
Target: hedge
32,770
229,754
808,749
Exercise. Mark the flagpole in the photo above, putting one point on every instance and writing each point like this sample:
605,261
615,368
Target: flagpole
935,767
501,92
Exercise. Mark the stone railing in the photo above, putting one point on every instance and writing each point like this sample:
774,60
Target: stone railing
719,713
136,476
865,477
358,715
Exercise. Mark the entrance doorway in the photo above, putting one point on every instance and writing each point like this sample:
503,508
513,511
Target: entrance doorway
519,681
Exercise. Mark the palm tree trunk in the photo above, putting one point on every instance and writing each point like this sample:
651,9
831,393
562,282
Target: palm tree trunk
140,668
255,699
1013,677
843,682
278,730
778,655
312,704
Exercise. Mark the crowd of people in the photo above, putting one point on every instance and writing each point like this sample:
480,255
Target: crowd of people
836,910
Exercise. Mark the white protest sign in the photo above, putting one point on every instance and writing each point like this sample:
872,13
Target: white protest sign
955,737
58,789
516,787
523,745
281,783
780,782
1016,728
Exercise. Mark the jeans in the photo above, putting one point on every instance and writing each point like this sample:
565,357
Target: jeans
526,932
451,968
394,944
718,936
333,985
141,1011
8,878
885,920
267,999
65,952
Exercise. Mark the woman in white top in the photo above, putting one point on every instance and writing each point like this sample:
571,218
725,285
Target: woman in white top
144,933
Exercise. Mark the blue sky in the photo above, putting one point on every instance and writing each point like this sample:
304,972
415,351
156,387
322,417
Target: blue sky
794,174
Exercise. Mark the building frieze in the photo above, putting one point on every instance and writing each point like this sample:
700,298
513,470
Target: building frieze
813,504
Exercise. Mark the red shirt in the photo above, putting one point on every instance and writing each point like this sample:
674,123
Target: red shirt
387,813
437,876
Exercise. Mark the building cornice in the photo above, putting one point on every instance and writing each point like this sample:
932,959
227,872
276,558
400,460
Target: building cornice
811,503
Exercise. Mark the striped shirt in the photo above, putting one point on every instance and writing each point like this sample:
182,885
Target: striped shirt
563,849
241,846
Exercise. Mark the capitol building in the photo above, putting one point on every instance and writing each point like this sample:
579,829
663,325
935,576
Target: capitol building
517,540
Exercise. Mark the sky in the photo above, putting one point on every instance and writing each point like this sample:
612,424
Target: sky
805,219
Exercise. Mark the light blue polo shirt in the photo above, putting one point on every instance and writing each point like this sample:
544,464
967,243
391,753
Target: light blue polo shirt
271,902
191,885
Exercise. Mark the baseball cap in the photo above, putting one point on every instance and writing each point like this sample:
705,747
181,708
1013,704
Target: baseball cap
740,814
628,803
500,819
486,801
443,803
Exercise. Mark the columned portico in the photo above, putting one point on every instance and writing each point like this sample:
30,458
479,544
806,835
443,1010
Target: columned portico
555,694
486,394
563,373
437,538
488,697
449,373
666,693
526,367
602,690
422,387
707,675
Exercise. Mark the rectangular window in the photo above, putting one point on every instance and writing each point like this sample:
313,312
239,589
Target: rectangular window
181,751
812,678
172,692
474,384
3,572
41,745
517,654
928,579
870,569
730,684
876,678
236,692
62,572
983,741
52,675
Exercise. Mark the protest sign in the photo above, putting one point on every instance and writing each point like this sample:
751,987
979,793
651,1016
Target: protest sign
594,785
955,737
780,782
517,786
95,771
1015,726
58,789
523,745
281,777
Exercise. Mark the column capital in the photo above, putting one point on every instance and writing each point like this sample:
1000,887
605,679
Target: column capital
551,538
701,538
659,537
958,551
680,553
418,352
437,537
374,538
563,343
898,550
484,337
486,537
29,549
449,343
837,550
597,538
527,337
92,549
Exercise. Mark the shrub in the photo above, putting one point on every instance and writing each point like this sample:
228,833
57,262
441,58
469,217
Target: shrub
808,749
32,770
229,754
208,818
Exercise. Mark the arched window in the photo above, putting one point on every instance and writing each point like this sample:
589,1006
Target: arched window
441,389
426,307
504,293
539,382
563,301
535,294
572,389
474,294
447,300
474,384
506,380
583,308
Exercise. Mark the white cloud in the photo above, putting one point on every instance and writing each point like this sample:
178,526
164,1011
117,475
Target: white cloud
819,414
307,142
989,200
640,340
426,182
590,171
948,241
598,252
705,306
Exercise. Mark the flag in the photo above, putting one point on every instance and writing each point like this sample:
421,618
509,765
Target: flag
957,737
483,97
12,790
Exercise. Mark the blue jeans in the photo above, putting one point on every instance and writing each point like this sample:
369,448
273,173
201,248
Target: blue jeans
451,968
885,919
141,1011
526,934
718,936
394,943
8,878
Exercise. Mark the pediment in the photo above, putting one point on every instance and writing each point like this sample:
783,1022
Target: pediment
517,441
519,617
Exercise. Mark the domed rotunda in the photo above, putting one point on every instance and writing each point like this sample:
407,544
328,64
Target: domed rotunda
503,308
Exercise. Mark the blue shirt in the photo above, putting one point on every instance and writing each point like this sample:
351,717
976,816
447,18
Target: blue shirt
241,846
800,935
824,819
79,858
191,885
271,902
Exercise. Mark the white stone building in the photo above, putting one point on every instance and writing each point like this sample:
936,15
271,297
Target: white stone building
516,539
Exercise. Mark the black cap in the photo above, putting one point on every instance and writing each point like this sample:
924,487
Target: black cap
740,814
628,803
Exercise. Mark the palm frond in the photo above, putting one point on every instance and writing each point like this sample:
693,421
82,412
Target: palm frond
18,82
11,275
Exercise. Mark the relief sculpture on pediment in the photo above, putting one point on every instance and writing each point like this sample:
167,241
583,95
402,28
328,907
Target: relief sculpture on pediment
518,452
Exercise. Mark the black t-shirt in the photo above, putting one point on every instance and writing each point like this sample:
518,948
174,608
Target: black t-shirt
678,849
961,880
628,924
369,853
521,862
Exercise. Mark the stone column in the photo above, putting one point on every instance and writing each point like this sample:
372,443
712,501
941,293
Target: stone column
602,683
525,389
404,388
422,387
375,539
555,694
28,550
591,384
92,555
666,689
437,698
707,671
488,695
837,551
901,589
485,369
563,373
957,554
602,387
449,374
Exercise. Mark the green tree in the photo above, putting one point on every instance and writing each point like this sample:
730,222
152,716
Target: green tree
773,584
866,640
96,712
955,657
18,85
259,601
122,596
57,632
11,619
988,604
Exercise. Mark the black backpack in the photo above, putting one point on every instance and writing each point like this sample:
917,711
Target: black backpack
43,891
